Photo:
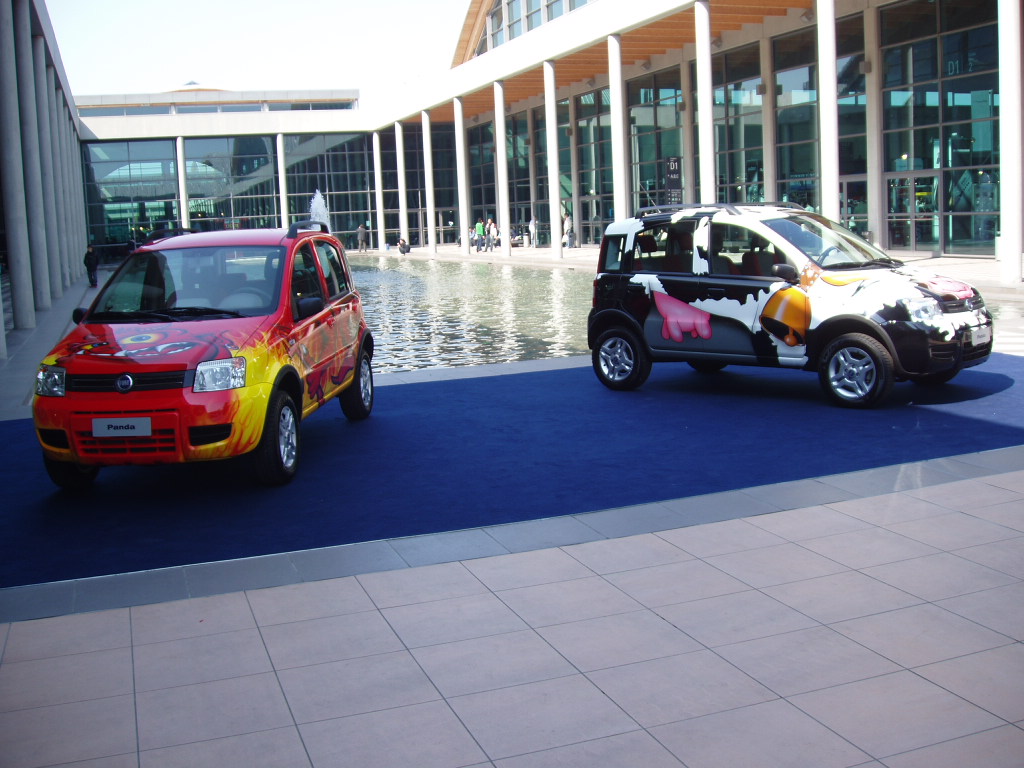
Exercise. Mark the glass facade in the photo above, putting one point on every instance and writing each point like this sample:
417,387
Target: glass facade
796,116
594,165
739,131
940,121
655,104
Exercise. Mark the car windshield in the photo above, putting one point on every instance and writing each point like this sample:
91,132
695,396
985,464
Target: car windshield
193,284
828,244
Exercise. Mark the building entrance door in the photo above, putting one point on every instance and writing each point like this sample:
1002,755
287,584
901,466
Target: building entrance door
914,221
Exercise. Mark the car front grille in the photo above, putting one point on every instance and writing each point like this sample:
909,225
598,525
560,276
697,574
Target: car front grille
963,305
141,382
161,444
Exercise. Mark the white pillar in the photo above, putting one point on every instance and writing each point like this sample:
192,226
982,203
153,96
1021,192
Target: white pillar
617,106
179,160
551,135
687,143
403,201
531,159
503,214
828,109
1011,161
705,103
465,217
378,186
68,243
46,162
769,157
428,181
282,175
877,192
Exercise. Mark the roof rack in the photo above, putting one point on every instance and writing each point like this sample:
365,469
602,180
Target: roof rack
163,234
730,207
316,226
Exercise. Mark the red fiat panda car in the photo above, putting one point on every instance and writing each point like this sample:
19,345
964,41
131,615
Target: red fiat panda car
207,346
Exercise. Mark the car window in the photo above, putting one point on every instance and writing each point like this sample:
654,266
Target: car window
330,263
664,248
305,276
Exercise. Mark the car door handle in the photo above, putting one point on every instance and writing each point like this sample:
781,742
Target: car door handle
716,292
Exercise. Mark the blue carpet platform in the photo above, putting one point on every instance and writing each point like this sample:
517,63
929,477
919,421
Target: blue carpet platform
464,453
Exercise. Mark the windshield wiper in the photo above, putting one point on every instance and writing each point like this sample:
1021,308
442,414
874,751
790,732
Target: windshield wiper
134,316
203,311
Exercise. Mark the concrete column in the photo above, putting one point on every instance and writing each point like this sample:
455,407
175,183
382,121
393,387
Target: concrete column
403,201
620,157
503,213
554,172
574,172
465,218
31,163
184,216
282,175
705,103
63,168
828,109
531,162
770,172
46,162
687,143
52,146
1011,238
13,180
428,181
378,186
873,116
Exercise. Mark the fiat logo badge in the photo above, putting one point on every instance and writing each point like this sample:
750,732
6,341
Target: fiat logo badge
124,383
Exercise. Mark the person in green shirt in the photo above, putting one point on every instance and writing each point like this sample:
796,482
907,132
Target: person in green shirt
480,233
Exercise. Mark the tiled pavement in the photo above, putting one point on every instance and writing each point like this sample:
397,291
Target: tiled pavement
868,619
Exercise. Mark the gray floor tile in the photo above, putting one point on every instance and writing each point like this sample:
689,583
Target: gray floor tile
867,547
418,585
539,716
889,508
199,659
805,660
808,523
190,618
446,621
332,638
675,583
734,618
920,634
447,547
636,748
68,733
632,521
679,687
847,595
277,748
954,531
714,507
895,713
936,577
37,601
775,565
347,560
991,679
1009,515
129,589
190,713
65,635
487,663
766,735
527,569
355,686
422,735
237,575
313,600
65,679
614,555
548,604
721,538
611,641
999,748
965,495
537,534
795,494
1006,556
890,479
998,609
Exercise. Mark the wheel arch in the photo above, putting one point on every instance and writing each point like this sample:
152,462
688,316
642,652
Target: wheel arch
611,318
835,327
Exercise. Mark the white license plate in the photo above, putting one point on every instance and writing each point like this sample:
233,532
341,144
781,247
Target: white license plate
981,335
134,427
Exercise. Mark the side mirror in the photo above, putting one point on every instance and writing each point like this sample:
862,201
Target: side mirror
786,272
78,315
308,307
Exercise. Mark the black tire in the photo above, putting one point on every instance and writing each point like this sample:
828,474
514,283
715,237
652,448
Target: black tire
276,458
706,366
934,379
357,399
69,475
620,361
856,371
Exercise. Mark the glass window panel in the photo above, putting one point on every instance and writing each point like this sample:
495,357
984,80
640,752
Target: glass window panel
907,21
853,155
850,35
798,161
793,50
852,115
968,144
966,52
956,14
971,98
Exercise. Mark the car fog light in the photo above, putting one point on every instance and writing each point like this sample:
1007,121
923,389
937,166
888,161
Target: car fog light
217,375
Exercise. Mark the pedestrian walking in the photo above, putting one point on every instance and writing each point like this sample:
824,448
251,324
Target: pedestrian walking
481,233
492,234
91,261
361,237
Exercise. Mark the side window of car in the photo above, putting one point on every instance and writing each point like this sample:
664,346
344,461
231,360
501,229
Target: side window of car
665,248
334,272
305,277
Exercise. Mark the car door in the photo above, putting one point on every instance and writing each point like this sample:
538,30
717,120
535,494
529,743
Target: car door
343,305
313,338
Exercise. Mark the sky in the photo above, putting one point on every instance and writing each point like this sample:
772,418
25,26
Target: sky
152,46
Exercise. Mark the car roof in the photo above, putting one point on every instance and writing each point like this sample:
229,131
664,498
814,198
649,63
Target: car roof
222,237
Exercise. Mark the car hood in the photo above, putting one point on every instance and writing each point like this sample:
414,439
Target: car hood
175,345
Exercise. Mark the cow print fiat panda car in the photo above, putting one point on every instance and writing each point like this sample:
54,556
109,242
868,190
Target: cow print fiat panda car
774,285
207,346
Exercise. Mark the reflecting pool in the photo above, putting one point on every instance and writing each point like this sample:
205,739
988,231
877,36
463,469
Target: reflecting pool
428,314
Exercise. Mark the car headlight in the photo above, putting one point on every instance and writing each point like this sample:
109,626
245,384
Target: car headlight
217,375
50,381
922,309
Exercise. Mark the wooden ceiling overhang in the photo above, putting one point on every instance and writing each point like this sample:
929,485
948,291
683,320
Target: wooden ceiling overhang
671,33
